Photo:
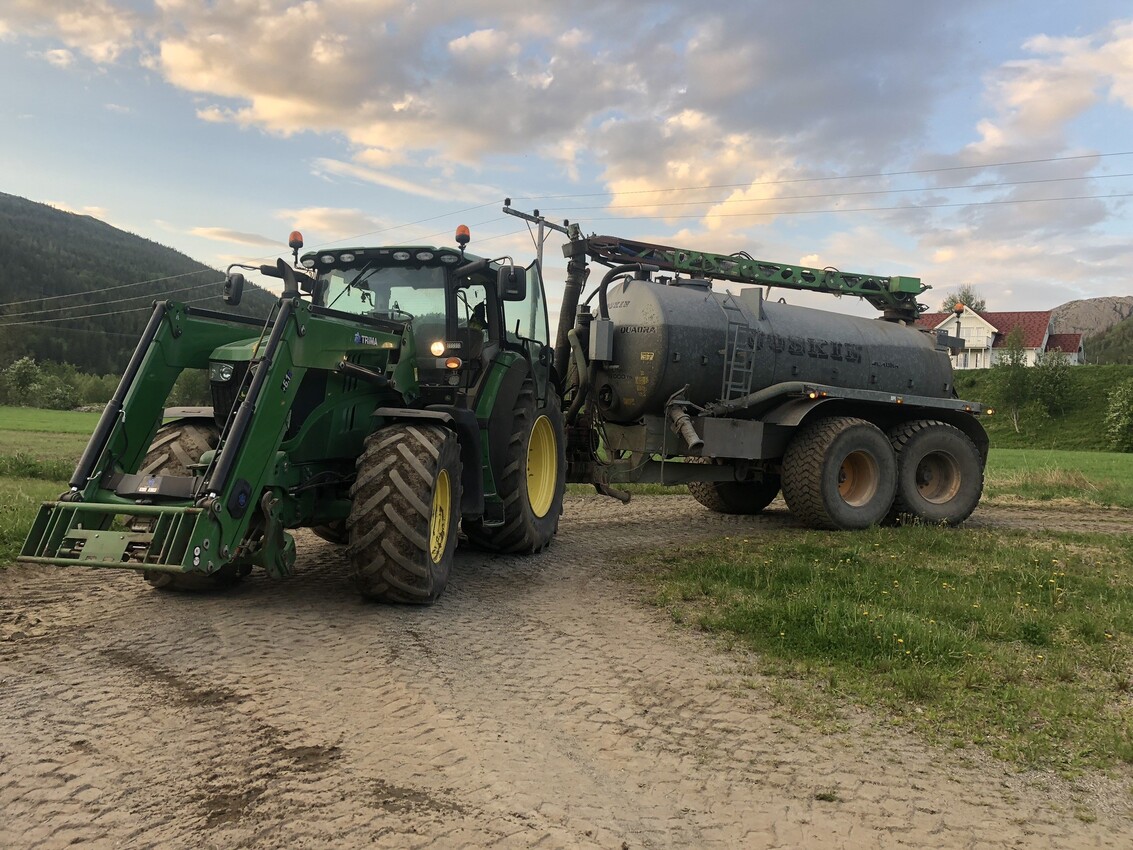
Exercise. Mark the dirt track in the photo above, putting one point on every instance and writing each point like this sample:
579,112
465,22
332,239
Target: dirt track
536,705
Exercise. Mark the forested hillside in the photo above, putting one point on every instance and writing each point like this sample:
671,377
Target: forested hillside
1115,345
108,279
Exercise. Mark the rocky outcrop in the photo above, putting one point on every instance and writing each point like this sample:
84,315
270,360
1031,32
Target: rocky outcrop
1091,316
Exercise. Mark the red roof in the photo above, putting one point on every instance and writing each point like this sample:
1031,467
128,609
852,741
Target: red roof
1034,324
1068,343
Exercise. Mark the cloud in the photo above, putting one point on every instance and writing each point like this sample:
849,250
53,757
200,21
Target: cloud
100,30
224,234
331,224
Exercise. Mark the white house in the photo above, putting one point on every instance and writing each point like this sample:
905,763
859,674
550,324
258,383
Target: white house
985,335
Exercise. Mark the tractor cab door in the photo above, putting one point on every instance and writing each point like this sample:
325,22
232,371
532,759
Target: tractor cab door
525,327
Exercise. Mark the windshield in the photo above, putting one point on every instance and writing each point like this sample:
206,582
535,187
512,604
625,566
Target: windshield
399,293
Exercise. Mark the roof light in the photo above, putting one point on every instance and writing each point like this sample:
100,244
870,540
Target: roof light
449,258
424,256
326,259
401,255
346,257
295,240
437,348
463,235
309,263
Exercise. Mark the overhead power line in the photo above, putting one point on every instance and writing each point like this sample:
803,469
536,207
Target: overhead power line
909,172
109,288
89,304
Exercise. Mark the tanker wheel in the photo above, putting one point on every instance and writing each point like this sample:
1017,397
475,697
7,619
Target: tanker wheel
406,505
734,497
839,473
939,473
532,482
176,449
333,532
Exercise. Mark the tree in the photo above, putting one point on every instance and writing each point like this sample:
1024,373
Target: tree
21,377
1011,385
1051,381
965,295
1119,417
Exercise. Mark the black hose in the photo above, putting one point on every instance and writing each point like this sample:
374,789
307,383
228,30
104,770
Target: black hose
617,271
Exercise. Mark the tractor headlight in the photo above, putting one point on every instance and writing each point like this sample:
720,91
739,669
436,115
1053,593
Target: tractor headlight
220,372
437,348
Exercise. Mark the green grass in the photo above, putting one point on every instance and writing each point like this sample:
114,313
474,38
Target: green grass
1036,475
1080,427
19,501
1020,643
46,421
42,443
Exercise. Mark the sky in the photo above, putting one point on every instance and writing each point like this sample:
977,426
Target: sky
978,142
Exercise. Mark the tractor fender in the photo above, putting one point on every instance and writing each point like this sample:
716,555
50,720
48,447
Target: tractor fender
499,422
463,423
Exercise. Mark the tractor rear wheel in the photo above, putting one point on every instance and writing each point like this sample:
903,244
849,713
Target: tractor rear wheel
532,482
839,473
735,497
939,473
176,449
406,506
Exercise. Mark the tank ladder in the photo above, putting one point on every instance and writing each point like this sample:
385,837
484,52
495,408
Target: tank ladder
739,361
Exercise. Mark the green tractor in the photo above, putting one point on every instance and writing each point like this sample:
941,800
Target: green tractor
394,398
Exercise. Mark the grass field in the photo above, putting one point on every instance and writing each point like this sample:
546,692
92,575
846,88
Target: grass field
1020,643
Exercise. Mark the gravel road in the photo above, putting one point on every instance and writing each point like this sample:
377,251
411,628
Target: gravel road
538,704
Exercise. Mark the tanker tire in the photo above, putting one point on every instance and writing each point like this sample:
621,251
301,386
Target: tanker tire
734,497
333,532
530,521
175,449
406,506
939,474
839,473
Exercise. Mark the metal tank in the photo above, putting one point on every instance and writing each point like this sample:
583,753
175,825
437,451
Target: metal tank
669,335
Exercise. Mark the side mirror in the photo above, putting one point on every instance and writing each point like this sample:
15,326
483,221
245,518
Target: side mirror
233,288
511,283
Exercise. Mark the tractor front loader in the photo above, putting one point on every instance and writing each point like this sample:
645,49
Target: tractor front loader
393,396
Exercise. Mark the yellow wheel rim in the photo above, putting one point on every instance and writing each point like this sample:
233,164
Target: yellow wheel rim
542,466
439,520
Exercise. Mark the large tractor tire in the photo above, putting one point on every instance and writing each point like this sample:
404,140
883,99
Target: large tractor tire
176,449
940,475
735,497
406,507
532,481
839,473
178,446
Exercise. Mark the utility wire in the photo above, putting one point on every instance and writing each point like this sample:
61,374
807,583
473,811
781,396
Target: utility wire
844,194
830,177
89,304
109,288
908,207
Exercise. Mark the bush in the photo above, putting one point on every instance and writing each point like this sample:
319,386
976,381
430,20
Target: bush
1119,417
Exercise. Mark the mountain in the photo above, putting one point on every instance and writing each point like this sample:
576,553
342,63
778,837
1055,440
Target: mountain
1091,316
75,290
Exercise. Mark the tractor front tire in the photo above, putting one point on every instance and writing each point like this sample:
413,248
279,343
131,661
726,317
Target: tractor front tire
532,482
406,507
176,449
939,473
839,473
